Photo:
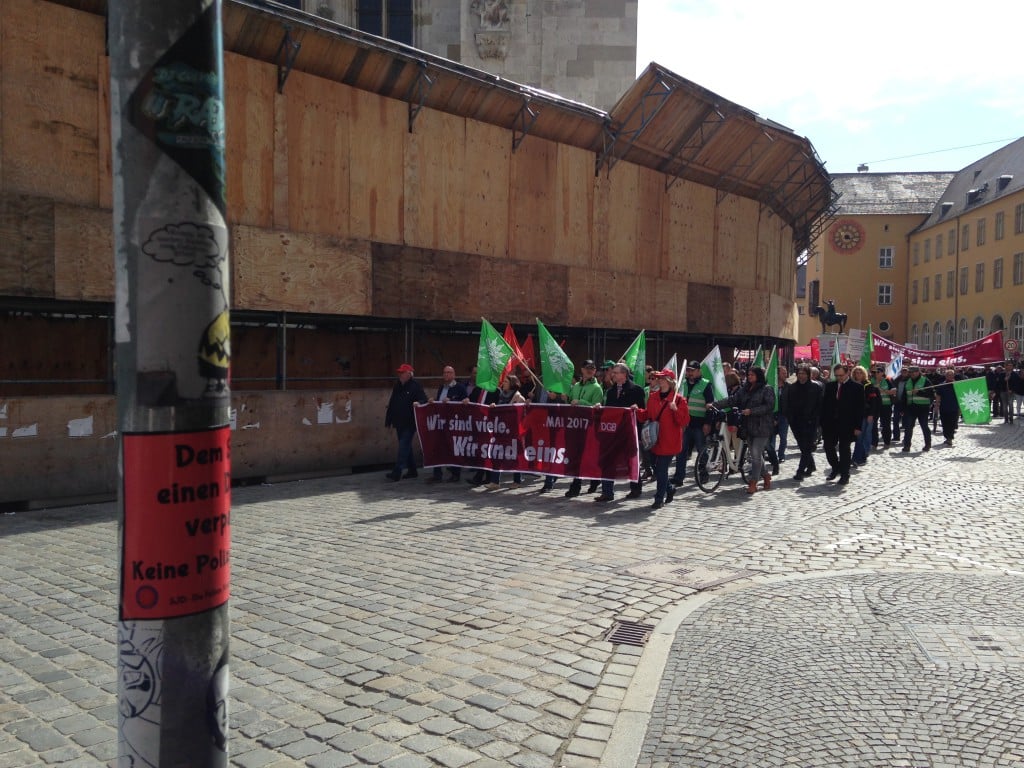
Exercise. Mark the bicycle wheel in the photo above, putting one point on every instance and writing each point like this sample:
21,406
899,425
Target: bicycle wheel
709,469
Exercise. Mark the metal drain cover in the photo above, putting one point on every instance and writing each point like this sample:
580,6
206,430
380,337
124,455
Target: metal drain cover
959,644
693,575
629,633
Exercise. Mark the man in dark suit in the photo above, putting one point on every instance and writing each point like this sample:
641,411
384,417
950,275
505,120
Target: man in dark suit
449,391
621,394
842,411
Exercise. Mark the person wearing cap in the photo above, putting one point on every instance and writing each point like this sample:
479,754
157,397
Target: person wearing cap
586,391
698,393
605,374
917,406
668,408
756,403
405,394
623,393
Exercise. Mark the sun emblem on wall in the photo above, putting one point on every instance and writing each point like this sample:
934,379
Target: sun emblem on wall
847,236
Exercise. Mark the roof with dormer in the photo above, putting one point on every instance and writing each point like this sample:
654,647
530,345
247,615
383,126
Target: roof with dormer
983,181
863,194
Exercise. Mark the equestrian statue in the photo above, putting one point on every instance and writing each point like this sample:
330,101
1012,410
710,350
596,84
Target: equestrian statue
829,317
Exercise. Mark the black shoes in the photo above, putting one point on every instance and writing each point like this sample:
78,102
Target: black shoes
833,474
844,480
926,449
595,486
393,477
604,499
634,494
657,505
574,490
410,475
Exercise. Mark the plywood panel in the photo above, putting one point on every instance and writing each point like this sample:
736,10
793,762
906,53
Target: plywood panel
574,207
519,293
41,459
83,253
54,355
419,282
376,159
26,246
709,309
105,161
751,312
732,266
435,182
604,299
67,446
621,218
649,201
250,90
663,304
318,171
532,200
49,100
299,272
488,150
783,317
690,239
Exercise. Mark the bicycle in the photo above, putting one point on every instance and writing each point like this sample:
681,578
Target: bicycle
717,458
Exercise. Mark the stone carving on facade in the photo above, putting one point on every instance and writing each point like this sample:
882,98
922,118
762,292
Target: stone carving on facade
493,28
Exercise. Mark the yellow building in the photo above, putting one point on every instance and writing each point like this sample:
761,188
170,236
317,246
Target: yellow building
966,276
859,259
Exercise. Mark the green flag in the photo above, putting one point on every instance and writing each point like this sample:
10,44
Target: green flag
972,397
636,357
869,347
711,369
771,376
491,358
556,368
759,357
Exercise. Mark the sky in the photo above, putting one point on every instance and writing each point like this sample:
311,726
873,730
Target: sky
899,85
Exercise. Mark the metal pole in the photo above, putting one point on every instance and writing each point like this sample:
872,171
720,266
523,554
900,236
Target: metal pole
172,335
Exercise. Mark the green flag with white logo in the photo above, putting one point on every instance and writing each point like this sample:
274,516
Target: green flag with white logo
491,358
636,357
712,370
556,368
972,397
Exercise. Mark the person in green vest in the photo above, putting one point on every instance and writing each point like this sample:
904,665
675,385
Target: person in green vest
883,424
917,406
587,391
698,393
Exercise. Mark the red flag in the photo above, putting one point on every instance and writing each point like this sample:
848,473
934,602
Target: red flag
529,355
510,339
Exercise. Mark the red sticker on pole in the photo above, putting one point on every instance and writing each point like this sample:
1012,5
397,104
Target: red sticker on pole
176,542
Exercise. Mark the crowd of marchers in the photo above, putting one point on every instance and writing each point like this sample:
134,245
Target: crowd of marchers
847,412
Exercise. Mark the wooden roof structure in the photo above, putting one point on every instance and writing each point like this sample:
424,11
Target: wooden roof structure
663,121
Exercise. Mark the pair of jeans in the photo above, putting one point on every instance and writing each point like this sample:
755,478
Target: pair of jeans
782,433
693,440
756,446
661,465
916,414
862,442
404,458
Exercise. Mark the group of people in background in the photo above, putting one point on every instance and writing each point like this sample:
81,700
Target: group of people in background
849,411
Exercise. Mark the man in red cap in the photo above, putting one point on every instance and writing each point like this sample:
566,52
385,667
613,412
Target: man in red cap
406,393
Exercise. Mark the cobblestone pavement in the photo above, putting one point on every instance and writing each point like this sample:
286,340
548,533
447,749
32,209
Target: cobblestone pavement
407,624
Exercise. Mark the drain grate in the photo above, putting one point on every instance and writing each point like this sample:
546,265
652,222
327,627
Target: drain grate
960,644
629,633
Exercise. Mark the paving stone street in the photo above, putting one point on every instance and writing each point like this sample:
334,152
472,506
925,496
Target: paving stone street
410,625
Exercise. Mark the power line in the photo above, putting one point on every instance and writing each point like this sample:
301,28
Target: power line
939,151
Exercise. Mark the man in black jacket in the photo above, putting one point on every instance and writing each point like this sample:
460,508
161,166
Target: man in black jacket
803,412
842,411
622,394
449,390
406,393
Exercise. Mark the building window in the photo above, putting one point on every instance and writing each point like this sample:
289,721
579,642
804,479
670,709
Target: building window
928,250
885,257
963,331
951,242
937,340
386,18
1000,225
980,234
884,294
1017,324
913,292
997,273
950,334
979,328
1018,268
926,336
950,278
965,237
963,281
926,287
938,246
979,278
938,287
917,253
913,336
1018,219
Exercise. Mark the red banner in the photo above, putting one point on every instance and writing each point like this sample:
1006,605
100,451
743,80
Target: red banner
981,352
565,440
